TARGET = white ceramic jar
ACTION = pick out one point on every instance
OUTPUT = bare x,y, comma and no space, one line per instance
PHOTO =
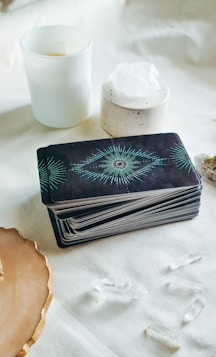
129,110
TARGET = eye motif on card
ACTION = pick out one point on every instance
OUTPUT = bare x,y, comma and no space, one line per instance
117,165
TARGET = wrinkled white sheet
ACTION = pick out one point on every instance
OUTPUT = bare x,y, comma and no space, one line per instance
179,38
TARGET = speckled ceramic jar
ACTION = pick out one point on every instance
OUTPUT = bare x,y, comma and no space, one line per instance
121,117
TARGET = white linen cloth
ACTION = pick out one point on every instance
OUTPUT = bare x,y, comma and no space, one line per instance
179,38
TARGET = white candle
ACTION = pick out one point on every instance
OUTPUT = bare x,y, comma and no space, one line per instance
57,61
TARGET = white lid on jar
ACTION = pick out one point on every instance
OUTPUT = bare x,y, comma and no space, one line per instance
135,85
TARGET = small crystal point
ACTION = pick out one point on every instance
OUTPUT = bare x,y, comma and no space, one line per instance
186,260
119,287
194,310
163,335
188,287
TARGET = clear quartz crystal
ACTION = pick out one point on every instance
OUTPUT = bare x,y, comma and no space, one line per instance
163,335
185,260
119,287
186,287
135,79
194,310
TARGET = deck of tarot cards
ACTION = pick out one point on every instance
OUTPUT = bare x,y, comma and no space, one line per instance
99,188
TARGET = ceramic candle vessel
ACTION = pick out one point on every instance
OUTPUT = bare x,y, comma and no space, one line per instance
131,105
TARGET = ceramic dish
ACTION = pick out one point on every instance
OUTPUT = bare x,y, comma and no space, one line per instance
25,293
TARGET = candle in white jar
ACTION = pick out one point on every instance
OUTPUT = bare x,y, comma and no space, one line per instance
134,100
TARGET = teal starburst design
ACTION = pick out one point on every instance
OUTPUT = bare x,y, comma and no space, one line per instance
117,165
179,155
52,173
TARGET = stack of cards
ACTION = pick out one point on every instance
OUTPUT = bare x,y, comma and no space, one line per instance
100,188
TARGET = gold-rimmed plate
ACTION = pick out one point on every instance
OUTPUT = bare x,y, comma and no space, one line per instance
25,292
